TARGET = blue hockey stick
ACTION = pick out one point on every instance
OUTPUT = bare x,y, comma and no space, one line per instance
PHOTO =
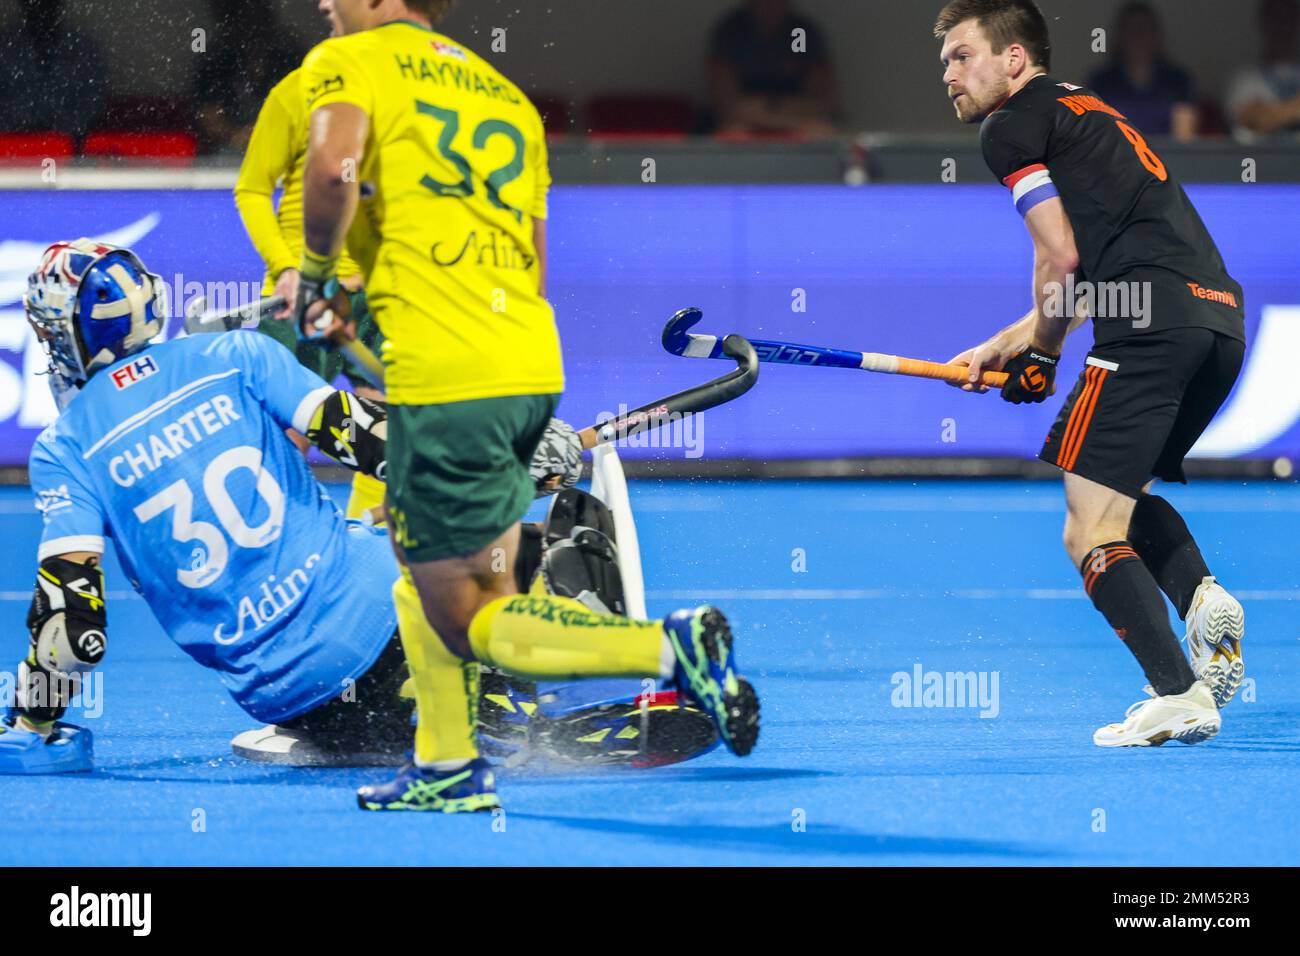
679,341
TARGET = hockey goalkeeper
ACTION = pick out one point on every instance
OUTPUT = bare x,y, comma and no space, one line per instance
178,452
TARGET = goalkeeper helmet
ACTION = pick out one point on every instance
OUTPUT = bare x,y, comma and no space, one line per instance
92,304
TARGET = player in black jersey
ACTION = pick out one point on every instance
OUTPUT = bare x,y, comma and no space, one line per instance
1115,235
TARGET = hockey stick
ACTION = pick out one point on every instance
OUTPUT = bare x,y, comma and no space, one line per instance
678,341
199,319
709,395
362,359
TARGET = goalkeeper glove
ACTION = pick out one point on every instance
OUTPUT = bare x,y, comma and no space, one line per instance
557,462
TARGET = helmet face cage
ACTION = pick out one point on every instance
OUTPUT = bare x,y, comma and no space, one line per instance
92,304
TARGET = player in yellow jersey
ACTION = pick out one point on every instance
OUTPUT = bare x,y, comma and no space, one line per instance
275,155
434,165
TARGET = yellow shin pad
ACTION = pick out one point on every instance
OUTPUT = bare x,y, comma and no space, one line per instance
446,688
543,636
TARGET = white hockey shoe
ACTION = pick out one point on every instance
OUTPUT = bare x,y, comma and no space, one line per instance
1215,626
1189,718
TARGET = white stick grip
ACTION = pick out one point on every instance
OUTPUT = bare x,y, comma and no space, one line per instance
879,362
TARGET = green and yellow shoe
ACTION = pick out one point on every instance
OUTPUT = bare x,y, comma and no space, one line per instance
472,787
706,671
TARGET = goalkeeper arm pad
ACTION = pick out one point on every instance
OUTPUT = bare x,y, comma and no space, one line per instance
353,431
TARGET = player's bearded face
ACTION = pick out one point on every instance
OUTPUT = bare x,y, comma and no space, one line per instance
974,76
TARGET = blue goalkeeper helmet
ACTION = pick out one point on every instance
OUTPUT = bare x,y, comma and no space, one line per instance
92,304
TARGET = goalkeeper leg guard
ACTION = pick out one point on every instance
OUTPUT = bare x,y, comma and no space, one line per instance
544,636
68,749
655,727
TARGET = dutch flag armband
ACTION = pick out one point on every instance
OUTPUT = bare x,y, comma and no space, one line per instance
1029,187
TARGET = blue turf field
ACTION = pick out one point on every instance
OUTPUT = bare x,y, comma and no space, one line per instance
951,576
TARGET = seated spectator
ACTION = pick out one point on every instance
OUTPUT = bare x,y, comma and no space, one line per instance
1265,99
247,53
1139,82
39,90
760,83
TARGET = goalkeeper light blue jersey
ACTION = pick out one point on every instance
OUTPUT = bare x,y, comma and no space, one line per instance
178,453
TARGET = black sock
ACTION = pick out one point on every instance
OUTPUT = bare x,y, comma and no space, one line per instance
1159,534
1124,591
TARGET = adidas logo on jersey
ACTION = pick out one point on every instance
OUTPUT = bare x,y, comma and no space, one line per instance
274,598
132,372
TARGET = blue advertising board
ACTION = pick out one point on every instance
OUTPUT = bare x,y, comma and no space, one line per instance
924,271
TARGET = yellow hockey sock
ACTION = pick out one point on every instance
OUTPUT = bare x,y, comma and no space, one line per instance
446,688
366,493
543,636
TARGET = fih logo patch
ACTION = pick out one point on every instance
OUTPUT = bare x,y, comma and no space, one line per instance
132,372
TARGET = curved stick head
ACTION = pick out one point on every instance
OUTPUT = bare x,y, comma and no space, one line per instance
675,337
740,349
